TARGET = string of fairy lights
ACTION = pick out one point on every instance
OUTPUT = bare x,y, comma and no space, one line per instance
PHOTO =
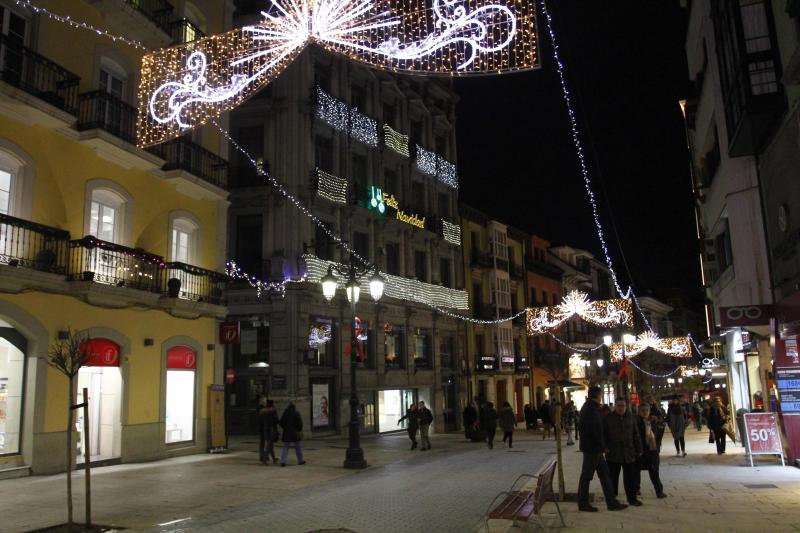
365,131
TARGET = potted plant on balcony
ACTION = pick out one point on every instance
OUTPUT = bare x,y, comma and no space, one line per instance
173,287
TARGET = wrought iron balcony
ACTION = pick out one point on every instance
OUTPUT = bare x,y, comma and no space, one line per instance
92,259
102,110
30,245
189,282
183,154
158,11
183,32
36,75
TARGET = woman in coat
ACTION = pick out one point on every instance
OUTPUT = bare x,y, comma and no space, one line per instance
292,425
649,460
268,430
676,419
717,416
547,419
508,421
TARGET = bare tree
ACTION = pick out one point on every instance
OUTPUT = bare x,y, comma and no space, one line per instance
557,367
68,355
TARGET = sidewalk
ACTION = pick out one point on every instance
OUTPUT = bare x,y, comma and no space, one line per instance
706,492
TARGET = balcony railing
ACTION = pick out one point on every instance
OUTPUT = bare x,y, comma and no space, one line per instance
193,283
37,75
102,110
31,245
183,32
107,263
185,155
158,11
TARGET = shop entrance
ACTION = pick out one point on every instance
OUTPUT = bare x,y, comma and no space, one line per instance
392,405
102,378
12,371
501,393
179,416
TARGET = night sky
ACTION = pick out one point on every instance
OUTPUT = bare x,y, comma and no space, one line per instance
626,68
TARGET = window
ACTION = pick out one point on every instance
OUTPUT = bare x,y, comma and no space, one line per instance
323,244
365,341
444,272
253,345
555,299
421,265
393,258
359,175
418,195
389,115
417,131
441,146
5,192
249,230
724,250
544,297
323,154
358,97
112,82
480,344
505,343
361,243
12,371
13,25
106,215
390,182
322,77
251,139
444,205
477,296
422,348
181,364
502,296
532,302
500,245
447,353
183,240
322,342
394,346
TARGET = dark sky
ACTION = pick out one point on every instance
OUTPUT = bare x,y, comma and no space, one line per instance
626,68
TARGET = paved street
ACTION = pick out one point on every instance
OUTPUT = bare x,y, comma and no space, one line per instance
444,490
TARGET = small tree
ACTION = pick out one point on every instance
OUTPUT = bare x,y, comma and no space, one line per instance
68,355
557,367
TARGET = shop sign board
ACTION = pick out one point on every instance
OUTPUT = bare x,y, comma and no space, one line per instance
745,315
181,358
278,382
229,332
102,352
763,437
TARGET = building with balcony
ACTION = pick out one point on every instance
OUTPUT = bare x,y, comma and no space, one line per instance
372,156
494,266
98,236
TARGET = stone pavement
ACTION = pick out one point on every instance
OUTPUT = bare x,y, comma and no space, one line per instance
706,492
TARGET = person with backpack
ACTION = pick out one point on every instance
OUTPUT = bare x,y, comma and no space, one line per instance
425,421
292,424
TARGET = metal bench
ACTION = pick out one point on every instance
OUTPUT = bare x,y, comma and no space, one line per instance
526,505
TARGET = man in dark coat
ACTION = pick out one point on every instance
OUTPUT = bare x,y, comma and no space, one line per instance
470,417
412,415
593,446
425,421
267,430
292,425
489,422
624,449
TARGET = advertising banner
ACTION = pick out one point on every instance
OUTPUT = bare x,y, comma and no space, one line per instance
319,405
763,436
745,315
216,415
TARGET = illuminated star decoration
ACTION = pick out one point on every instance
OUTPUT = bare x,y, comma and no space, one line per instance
672,346
600,313
185,86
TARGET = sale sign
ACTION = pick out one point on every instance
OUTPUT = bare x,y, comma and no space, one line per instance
763,436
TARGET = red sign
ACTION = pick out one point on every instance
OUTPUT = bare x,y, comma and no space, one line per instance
229,332
230,376
181,358
762,434
745,315
102,352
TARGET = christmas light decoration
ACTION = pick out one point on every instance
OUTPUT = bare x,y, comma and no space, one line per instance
363,128
332,111
426,161
66,19
331,187
277,288
672,346
451,232
651,374
396,287
395,141
600,313
574,348
184,86
433,165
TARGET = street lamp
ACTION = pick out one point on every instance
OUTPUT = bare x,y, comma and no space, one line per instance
354,456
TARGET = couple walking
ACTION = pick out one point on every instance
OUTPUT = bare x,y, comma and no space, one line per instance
418,418
508,421
292,424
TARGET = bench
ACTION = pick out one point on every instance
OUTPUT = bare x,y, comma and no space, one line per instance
525,505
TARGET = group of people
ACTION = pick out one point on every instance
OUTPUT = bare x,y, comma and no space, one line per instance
483,417
418,419
292,425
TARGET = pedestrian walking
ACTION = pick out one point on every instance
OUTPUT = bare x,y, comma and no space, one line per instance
650,458
697,412
412,424
469,417
593,446
717,418
658,417
530,417
508,421
425,421
547,419
489,422
624,449
569,416
292,424
267,430
676,419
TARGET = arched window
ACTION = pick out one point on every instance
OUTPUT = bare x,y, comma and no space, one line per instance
16,175
107,211
184,238
113,78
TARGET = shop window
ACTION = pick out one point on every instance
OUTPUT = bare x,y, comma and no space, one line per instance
101,376
180,402
422,349
367,412
394,346
183,235
322,343
12,370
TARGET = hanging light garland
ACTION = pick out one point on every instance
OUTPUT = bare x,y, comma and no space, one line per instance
395,141
451,232
672,346
574,348
271,287
599,313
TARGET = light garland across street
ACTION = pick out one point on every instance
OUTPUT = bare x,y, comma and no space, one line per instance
600,313
672,346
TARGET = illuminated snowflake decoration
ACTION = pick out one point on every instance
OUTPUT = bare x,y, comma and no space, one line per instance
185,86
600,313
672,346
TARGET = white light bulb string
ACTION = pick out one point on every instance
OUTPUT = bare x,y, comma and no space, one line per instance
66,19
574,348
668,374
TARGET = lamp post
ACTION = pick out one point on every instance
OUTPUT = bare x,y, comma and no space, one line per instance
354,457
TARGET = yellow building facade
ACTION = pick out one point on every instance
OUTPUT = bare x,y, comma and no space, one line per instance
98,236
